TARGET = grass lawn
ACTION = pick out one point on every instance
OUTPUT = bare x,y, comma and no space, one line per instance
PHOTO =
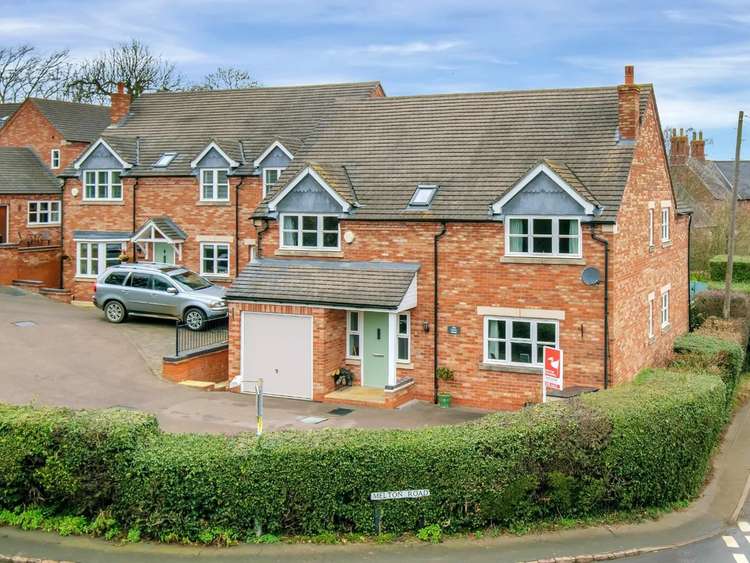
737,286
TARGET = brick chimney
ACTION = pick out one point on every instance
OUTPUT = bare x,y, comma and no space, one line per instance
679,148
698,147
120,104
628,95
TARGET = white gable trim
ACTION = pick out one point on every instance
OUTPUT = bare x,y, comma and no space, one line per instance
498,206
150,224
100,141
308,171
204,152
269,150
409,301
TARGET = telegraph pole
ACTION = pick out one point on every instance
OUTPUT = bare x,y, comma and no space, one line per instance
733,220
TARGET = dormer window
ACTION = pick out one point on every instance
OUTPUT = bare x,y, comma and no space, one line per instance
270,177
423,196
165,160
104,185
214,184
314,232
543,236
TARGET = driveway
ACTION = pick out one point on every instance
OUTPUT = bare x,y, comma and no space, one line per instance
70,356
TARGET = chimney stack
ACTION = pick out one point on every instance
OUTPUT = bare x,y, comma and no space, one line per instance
119,104
679,148
698,147
628,95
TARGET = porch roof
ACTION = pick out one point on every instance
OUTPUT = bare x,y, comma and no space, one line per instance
166,225
358,285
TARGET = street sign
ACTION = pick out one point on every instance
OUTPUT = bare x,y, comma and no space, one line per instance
391,495
552,375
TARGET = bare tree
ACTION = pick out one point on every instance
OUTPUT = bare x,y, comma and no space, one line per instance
226,78
24,73
132,63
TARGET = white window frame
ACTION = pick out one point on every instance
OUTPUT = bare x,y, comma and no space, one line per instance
278,171
37,212
101,256
555,236
215,259
54,159
651,299
651,226
350,333
214,185
533,340
664,308
404,335
319,230
109,186
665,227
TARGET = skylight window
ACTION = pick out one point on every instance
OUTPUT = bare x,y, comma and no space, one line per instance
165,159
423,196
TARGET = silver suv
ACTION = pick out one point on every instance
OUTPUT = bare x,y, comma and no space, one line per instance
159,290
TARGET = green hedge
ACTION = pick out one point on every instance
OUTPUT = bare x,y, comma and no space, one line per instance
717,267
642,444
711,304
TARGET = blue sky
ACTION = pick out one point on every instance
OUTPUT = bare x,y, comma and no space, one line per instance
697,54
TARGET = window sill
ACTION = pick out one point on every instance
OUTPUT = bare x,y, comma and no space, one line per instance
542,260
404,365
43,225
666,328
353,361
666,243
314,253
512,369
651,340
223,203
102,202
84,278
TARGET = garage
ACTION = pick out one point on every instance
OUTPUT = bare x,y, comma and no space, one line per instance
277,348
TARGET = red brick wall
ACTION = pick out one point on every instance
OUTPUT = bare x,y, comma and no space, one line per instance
637,271
18,228
211,366
36,264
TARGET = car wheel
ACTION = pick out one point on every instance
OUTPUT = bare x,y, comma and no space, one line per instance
195,319
115,312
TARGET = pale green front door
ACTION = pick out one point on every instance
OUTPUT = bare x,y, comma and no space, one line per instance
375,357
163,253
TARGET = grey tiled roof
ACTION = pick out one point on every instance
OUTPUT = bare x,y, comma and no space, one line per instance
6,110
21,172
167,226
474,146
76,122
243,122
375,285
727,169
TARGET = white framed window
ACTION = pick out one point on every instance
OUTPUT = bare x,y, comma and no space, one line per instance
543,236
54,158
103,185
404,338
44,213
165,159
214,184
665,224
96,256
214,259
353,334
270,177
664,308
319,232
518,342
651,227
651,299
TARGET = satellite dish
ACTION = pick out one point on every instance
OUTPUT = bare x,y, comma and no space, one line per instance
591,276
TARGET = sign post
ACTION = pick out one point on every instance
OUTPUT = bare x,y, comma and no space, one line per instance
552,374
378,497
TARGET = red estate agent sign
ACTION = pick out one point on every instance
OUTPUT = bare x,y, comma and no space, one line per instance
553,370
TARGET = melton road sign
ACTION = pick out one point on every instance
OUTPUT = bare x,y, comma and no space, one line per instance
390,495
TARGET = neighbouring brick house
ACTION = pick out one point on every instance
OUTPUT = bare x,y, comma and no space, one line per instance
411,233
179,174
38,138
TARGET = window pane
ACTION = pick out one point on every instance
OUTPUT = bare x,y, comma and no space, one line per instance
208,176
354,344
208,191
271,176
83,253
542,226
113,253
309,239
290,238
403,324
222,192
102,191
116,191
542,245
222,175
403,348
519,244
116,278
160,284
568,246
222,251
497,329
140,281
354,322
208,251
331,240
330,223
545,332
568,227
520,352
496,350
102,177
90,191
521,329
208,266
309,222
519,226
291,222
94,250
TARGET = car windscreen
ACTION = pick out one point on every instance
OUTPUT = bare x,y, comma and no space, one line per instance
192,280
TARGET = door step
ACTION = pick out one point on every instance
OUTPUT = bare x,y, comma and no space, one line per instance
205,385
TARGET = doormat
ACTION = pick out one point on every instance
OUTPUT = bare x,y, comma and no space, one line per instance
340,411
312,419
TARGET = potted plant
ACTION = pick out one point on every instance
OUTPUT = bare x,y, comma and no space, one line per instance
444,398
342,377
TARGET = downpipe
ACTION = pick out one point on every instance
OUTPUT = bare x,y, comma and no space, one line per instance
435,330
605,243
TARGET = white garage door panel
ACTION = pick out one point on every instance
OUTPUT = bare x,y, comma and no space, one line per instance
278,348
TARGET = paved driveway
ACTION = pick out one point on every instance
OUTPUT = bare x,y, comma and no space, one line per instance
72,357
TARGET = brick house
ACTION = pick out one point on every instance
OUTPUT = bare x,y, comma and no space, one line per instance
411,233
178,175
38,138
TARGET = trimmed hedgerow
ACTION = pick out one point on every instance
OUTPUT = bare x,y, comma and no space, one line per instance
717,267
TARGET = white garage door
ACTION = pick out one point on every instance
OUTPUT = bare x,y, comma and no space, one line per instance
277,348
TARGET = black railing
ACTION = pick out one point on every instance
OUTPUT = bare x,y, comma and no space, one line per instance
213,333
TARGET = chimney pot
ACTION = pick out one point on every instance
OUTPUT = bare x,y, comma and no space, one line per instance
698,147
629,74
120,87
